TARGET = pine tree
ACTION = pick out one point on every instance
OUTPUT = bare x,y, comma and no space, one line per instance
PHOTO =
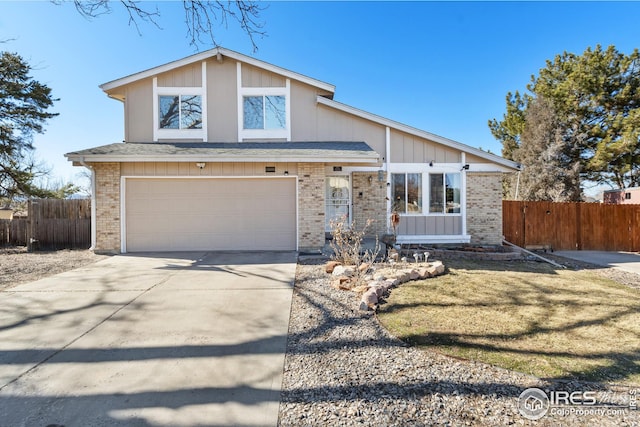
24,105
595,100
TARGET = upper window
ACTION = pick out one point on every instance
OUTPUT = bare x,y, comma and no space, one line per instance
444,193
180,111
264,112
406,192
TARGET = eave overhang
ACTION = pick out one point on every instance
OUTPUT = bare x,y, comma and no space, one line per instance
276,152
218,52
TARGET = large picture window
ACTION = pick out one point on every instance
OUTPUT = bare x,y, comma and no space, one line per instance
264,112
444,193
180,111
406,192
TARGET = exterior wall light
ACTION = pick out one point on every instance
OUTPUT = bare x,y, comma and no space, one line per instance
201,165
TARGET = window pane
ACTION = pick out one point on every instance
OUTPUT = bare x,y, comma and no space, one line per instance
436,193
398,192
414,192
253,114
169,112
274,116
191,112
453,192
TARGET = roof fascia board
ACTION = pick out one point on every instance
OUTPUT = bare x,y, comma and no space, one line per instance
222,159
417,132
212,53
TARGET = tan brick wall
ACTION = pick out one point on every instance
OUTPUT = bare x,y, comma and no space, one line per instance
311,206
107,207
372,204
484,208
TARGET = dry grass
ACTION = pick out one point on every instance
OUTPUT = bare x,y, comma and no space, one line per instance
524,316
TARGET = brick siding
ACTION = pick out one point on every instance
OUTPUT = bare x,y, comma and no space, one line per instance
107,194
484,208
372,204
311,206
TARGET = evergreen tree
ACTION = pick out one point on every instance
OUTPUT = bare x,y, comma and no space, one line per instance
24,105
595,100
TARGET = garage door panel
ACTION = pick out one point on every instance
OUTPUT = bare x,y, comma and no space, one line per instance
210,214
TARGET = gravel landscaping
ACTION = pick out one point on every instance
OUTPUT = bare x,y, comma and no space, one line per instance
342,368
19,266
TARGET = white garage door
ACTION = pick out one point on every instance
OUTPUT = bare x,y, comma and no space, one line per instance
210,214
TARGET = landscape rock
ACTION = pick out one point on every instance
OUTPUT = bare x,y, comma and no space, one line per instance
364,267
370,297
330,266
404,277
424,273
341,270
436,269
341,282
379,288
389,283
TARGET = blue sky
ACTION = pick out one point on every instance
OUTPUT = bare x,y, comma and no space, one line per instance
444,67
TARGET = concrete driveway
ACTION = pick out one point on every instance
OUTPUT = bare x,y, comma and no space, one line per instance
148,340
626,261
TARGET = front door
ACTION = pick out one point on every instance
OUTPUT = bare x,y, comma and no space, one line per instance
337,199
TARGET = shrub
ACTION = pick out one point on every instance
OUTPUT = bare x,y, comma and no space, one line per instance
347,240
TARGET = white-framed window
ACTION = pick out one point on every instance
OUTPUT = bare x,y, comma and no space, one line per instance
179,112
406,193
444,193
264,112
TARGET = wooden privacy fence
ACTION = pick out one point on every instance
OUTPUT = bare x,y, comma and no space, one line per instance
51,224
13,232
572,226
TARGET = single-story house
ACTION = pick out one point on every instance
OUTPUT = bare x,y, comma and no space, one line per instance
226,152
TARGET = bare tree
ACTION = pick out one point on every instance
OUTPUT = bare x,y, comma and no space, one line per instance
200,16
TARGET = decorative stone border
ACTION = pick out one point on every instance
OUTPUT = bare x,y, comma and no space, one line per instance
374,282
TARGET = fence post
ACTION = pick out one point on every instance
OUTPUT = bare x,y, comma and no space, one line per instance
524,225
578,226
31,225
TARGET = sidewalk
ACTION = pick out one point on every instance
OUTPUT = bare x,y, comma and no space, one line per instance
626,261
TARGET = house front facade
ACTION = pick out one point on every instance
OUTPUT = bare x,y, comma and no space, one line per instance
226,152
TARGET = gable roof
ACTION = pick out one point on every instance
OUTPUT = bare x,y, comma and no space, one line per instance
418,132
326,100
217,52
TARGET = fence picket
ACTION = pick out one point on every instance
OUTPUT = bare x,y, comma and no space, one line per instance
571,226
52,223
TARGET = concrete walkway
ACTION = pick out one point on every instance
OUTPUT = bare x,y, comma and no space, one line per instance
149,340
626,261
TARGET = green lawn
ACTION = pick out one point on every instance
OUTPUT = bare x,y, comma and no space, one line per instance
524,316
